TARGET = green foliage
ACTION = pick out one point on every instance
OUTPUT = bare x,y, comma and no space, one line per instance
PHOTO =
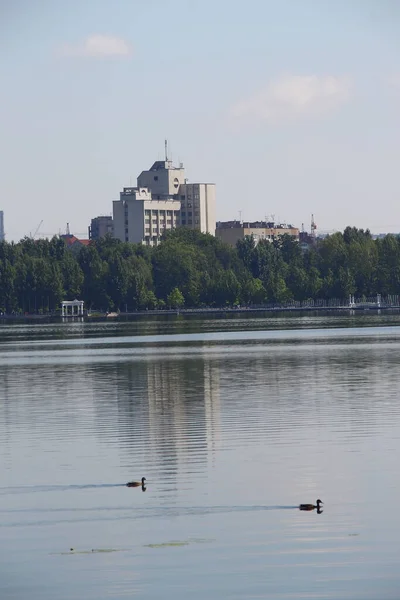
192,269
175,298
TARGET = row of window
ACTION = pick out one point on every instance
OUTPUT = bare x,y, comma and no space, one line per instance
156,232
190,213
190,222
147,212
161,220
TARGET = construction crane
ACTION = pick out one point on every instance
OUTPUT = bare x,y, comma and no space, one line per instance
37,230
313,226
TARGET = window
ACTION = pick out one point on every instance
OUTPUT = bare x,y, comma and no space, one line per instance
126,231
155,177
190,222
183,221
126,222
183,213
189,213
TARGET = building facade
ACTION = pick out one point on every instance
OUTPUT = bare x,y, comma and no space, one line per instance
2,236
163,200
163,179
140,219
100,227
198,206
232,231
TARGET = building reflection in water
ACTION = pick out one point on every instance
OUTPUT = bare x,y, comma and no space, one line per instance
172,409
168,413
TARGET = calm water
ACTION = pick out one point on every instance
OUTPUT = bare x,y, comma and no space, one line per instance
234,422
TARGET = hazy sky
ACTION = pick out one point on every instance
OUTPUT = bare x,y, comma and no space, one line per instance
291,107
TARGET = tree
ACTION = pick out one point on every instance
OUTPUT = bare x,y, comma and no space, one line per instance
72,276
95,272
177,265
175,298
245,249
225,288
252,291
151,300
118,280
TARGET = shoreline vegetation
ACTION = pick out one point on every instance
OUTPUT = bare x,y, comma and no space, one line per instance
194,273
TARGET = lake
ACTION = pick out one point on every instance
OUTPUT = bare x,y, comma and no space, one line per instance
234,421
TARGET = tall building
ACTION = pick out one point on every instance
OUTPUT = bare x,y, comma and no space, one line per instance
140,219
2,237
198,206
162,200
100,227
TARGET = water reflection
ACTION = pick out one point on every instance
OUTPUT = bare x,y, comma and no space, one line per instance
168,409
231,435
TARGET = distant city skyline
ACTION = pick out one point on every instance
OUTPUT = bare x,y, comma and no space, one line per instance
291,108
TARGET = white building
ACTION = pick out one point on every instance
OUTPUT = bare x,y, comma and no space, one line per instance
198,206
163,200
163,179
139,219
2,237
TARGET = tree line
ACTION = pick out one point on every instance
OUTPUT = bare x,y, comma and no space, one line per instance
192,269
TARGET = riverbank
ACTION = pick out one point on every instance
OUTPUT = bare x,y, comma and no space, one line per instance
198,311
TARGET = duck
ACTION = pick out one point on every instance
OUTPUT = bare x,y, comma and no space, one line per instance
311,506
136,483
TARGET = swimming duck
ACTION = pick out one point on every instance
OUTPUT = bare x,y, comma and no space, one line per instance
311,506
136,483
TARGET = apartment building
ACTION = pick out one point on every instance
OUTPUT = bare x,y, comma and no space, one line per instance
162,200
100,227
232,231
140,219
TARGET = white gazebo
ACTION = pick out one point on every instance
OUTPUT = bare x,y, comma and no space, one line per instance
68,308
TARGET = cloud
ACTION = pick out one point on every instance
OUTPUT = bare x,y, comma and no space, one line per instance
294,96
99,46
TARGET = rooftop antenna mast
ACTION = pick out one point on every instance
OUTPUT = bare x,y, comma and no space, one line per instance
166,150
68,230
240,216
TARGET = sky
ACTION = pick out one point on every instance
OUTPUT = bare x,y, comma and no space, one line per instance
291,107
